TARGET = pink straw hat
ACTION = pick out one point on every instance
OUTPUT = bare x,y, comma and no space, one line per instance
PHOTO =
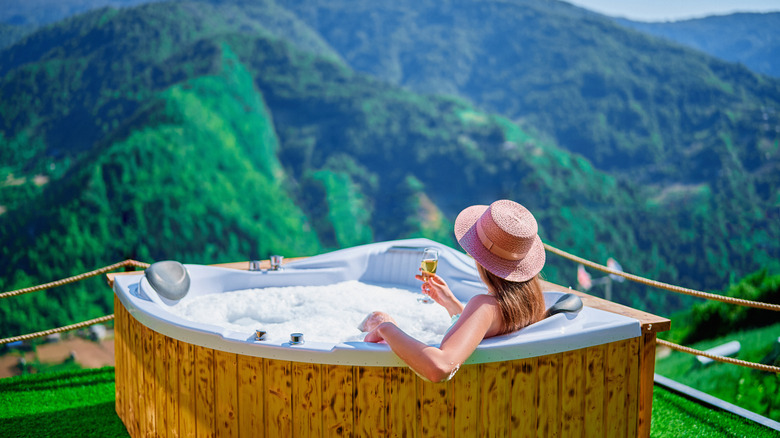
503,238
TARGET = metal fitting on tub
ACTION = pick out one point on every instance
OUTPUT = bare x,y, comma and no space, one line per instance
296,338
276,262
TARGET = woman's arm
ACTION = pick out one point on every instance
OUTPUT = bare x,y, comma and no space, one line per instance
435,287
481,318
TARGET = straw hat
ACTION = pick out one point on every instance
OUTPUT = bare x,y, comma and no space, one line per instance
503,238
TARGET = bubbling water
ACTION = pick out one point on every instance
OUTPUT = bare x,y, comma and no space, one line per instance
327,313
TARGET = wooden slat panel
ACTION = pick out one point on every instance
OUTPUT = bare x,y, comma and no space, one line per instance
278,398
549,402
572,393
646,370
434,408
204,392
135,374
124,366
172,386
467,400
594,390
369,401
307,400
119,361
226,394
495,408
523,393
251,407
187,397
160,384
632,387
401,396
616,388
147,370
337,390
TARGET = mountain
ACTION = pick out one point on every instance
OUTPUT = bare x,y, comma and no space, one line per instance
9,34
233,145
751,39
20,18
699,134
627,102
209,132
42,12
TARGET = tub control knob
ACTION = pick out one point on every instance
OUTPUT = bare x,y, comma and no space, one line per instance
260,335
296,338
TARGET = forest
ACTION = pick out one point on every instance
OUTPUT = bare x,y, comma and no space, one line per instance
211,132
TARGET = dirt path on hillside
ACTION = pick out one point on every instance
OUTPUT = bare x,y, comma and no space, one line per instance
89,354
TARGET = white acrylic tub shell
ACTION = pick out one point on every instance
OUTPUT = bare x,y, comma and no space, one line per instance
387,263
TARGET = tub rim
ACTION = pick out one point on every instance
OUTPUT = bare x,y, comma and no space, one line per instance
529,342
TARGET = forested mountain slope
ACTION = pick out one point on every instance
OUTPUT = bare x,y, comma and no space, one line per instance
626,101
219,131
752,39
238,145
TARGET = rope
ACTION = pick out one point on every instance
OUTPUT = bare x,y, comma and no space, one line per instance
57,330
660,285
75,278
757,366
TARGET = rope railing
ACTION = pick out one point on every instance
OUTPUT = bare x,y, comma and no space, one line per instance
661,285
756,366
57,330
552,249
58,283
75,278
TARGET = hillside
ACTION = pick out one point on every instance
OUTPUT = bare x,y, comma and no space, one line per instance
701,135
176,156
42,12
750,39
629,103
222,131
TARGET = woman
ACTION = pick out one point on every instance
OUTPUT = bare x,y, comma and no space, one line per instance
502,238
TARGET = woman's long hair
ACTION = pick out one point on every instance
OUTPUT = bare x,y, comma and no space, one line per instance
521,303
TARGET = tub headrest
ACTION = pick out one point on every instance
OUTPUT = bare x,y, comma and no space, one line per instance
568,303
169,279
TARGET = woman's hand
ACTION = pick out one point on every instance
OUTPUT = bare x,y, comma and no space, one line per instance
373,319
435,287
375,335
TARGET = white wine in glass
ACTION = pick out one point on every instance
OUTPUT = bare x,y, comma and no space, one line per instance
428,265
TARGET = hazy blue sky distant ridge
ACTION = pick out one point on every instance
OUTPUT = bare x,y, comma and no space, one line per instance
674,10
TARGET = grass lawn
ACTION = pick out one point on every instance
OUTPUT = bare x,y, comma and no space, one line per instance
81,404
753,390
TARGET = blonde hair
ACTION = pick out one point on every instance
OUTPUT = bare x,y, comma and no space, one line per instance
521,303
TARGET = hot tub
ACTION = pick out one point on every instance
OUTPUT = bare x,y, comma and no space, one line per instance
177,377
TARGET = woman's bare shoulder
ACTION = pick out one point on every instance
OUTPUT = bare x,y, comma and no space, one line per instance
485,307
481,301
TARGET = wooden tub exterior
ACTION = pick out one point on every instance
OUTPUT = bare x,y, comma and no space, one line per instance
166,387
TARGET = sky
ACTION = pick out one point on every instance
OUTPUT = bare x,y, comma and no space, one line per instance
674,10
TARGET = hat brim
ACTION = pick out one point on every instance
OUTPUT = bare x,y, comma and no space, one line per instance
512,270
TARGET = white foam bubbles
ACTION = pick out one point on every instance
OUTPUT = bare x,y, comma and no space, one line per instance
328,313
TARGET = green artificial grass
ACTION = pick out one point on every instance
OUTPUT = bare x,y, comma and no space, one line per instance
753,390
60,404
675,416
81,404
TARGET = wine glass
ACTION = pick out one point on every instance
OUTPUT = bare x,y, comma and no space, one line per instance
430,260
